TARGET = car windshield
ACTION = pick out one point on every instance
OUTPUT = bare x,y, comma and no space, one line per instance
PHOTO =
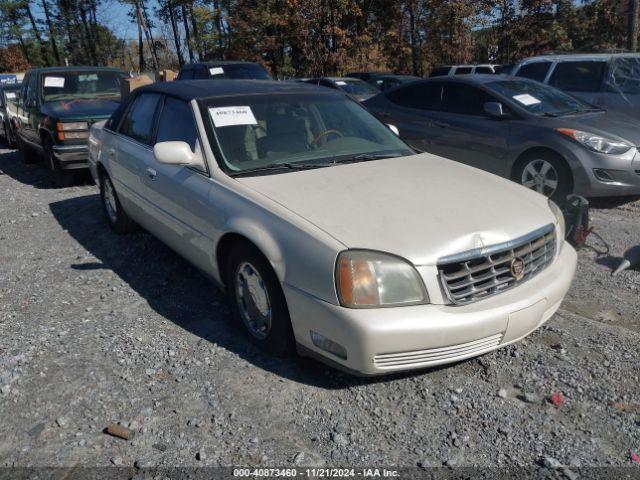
246,71
357,87
65,85
296,131
625,76
539,99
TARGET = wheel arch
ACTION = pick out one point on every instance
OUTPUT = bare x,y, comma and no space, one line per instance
542,151
256,237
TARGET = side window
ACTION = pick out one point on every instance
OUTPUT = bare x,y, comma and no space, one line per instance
464,100
138,123
484,70
29,92
462,70
439,71
421,96
578,76
176,123
534,71
200,74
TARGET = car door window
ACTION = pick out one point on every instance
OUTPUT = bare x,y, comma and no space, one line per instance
139,121
176,123
462,71
578,76
535,71
29,95
423,96
484,70
464,100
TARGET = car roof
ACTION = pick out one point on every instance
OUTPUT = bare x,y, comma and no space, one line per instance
476,79
579,56
216,63
195,89
82,68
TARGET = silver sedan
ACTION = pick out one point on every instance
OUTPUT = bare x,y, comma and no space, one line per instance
330,235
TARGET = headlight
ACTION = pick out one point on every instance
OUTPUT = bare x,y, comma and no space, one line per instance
366,279
561,225
595,142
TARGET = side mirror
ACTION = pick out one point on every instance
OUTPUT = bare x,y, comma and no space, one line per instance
394,129
174,153
495,110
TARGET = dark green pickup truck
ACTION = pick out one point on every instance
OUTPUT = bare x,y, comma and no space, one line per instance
56,108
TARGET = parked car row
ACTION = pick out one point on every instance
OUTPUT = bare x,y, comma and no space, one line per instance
337,227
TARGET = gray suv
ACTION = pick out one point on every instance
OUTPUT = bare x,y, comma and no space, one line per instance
610,81
531,133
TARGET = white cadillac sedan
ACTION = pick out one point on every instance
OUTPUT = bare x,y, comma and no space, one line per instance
330,235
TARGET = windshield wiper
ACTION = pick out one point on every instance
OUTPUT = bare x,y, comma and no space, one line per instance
365,157
280,166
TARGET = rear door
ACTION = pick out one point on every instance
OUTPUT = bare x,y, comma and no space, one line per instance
413,109
584,78
467,133
179,194
133,153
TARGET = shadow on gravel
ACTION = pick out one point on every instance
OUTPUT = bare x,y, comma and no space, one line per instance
35,174
180,293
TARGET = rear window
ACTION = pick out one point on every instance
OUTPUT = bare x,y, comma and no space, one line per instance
625,76
535,71
578,76
241,71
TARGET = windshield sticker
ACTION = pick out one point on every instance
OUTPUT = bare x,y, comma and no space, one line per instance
228,116
92,77
340,82
55,82
216,71
526,99
11,94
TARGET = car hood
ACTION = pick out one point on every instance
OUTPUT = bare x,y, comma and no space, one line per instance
608,124
80,109
420,207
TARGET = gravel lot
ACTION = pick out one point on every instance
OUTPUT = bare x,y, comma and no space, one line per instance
99,329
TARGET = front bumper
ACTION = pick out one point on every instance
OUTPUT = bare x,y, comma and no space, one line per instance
623,175
71,157
386,340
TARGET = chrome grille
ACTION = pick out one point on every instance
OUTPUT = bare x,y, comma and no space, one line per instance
434,356
471,276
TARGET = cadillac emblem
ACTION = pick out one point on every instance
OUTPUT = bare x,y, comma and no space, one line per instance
517,268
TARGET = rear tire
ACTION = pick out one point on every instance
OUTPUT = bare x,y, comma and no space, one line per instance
61,178
116,217
546,174
257,301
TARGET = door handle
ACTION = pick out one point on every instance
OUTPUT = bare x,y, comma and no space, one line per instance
151,173
111,152
440,124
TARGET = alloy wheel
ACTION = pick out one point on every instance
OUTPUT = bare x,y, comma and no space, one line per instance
109,199
541,176
253,300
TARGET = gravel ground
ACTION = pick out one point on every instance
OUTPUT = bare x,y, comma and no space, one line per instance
100,329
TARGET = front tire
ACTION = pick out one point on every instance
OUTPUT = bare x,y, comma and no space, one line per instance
546,174
117,218
27,153
61,178
257,301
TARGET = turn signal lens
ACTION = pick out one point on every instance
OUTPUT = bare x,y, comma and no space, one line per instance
367,279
